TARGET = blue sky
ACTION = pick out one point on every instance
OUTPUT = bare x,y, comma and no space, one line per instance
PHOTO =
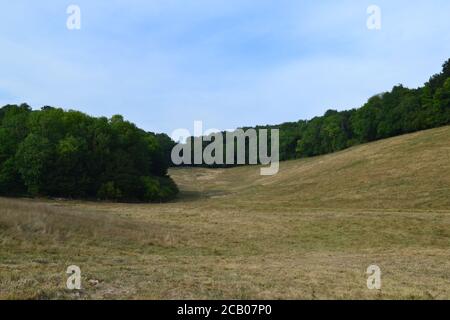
163,64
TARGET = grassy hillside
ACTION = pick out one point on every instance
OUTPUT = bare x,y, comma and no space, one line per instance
406,172
309,232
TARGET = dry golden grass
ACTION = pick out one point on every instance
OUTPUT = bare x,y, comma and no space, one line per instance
406,172
309,232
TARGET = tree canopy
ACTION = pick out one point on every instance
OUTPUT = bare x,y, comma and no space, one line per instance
385,115
52,152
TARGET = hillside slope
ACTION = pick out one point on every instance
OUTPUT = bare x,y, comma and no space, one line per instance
406,172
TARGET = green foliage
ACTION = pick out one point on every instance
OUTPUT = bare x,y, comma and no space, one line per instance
32,157
399,111
11,182
386,115
158,188
108,191
52,152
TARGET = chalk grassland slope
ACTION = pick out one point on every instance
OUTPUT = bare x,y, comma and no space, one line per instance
406,172
309,232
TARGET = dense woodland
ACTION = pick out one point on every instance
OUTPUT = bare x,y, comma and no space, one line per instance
389,114
57,153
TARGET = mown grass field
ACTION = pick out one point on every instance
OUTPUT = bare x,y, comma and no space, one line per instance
309,232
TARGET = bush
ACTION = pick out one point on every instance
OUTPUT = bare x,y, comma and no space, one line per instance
158,188
108,191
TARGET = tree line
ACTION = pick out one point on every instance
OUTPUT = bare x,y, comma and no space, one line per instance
385,115
68,154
